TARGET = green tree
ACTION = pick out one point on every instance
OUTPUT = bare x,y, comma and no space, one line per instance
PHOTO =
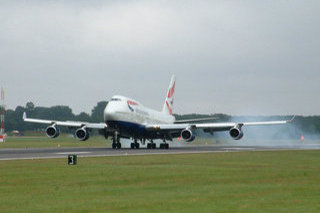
29,107
18,112
11,123
83,117
97,111
61,113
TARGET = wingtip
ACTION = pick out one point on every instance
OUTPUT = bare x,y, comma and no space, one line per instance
24,115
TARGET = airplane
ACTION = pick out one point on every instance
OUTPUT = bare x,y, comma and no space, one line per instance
127,118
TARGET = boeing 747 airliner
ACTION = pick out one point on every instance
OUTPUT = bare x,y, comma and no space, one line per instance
127,118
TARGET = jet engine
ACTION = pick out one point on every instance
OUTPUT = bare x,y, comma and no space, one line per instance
187,135
236,133
82,134
52,131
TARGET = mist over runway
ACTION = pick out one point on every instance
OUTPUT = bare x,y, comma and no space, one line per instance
43,153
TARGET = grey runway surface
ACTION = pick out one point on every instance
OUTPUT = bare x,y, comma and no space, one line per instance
39,153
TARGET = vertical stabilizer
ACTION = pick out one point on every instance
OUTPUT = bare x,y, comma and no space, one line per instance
168,104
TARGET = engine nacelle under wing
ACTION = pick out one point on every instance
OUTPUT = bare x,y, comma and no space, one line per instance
187,135
82,134
52,131
236,132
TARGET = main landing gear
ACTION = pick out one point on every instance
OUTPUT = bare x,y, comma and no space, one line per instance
164,145
135,145
151,145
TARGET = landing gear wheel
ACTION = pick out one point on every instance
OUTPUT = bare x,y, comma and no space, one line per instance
114,145
132,145
118,145
137,146
151,146
164,146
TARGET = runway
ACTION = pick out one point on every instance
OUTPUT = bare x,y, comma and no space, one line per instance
42,153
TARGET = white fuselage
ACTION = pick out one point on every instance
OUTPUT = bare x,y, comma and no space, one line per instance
121,109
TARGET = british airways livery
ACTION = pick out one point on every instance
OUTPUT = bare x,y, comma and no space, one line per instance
127,118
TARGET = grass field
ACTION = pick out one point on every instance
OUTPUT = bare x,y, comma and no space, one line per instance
280,181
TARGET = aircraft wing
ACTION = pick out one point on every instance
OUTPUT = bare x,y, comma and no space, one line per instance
65,123
212,126
194,120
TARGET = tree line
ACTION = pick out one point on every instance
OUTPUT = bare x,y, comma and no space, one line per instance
13,118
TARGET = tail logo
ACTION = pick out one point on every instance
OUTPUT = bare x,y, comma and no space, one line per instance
169,108
171,90
168,104
130,104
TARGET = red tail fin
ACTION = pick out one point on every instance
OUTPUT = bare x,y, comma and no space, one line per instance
168,105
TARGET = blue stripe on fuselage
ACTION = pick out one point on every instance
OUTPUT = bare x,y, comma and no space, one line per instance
128,127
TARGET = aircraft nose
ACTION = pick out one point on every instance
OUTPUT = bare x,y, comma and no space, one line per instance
115,110
108,114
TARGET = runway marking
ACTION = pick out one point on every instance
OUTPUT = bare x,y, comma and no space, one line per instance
152,153
110,155
32,158
72,153
239,148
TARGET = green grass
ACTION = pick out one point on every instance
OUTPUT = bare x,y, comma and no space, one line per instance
61,141
281,181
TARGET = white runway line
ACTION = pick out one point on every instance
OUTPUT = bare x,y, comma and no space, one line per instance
238,148
72,153
32,158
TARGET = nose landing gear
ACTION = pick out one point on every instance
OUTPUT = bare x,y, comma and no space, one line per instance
116,141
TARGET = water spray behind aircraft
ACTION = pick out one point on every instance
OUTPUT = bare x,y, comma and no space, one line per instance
284,136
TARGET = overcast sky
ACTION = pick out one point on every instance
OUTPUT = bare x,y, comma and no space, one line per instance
235,57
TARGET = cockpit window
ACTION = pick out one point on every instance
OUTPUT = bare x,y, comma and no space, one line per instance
115,99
